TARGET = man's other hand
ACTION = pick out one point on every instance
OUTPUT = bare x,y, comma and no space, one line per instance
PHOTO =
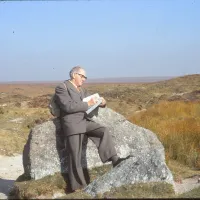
103,104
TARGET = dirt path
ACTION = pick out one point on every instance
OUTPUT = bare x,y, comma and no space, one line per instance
11,168
187,184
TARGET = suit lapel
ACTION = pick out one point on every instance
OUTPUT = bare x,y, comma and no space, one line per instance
72,87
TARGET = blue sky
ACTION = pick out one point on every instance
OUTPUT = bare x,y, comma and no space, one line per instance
43,40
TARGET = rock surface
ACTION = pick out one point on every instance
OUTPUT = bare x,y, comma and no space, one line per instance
136,169
44,153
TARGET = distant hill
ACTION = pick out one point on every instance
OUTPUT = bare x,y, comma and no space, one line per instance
147,79
102,80
163,80
180,84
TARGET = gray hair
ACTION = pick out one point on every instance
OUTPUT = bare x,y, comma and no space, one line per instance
74,70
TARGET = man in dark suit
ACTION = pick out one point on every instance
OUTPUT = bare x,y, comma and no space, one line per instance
76,124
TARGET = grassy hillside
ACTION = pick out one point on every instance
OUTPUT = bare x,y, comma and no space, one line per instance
177,124
177,85
171,109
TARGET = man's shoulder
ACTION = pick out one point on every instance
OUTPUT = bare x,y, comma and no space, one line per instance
67,83
64,84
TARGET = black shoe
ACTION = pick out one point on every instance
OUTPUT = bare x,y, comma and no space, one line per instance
120,160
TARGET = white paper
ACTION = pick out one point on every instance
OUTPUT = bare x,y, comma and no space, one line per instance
96,98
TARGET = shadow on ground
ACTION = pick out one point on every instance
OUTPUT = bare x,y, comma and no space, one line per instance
6,185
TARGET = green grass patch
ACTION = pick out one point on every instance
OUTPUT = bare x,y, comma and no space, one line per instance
31,189
28,189
141,190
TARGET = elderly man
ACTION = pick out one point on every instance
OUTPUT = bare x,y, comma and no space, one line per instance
76,124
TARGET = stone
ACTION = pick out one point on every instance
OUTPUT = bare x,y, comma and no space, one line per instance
44,154
139,168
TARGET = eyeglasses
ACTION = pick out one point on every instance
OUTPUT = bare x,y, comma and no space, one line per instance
82,76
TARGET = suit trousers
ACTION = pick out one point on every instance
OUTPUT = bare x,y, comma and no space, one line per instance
103,141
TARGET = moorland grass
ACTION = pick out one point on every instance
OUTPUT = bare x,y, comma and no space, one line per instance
177,125
14,134
57,183
47,186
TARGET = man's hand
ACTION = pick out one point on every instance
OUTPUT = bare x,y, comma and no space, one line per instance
103,104
91,102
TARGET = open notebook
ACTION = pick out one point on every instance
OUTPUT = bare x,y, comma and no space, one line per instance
97,98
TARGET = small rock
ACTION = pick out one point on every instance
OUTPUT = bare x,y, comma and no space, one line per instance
17,120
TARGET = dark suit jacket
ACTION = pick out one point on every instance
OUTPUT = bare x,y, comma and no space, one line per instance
73,117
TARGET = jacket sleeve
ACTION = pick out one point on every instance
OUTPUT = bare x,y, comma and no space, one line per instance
66,103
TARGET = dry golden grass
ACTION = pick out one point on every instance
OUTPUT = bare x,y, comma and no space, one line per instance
15,124
28,89
177,125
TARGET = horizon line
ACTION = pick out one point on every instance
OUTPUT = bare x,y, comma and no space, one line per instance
95,80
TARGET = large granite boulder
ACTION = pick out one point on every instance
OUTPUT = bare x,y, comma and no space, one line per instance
44,154
143,167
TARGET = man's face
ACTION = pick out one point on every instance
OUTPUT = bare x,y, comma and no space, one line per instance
80,77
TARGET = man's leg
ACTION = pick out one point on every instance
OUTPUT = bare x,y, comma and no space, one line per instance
75,170
103,140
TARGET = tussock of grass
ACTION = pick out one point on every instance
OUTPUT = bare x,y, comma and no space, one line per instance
177,125
47,186
30,189
141,190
